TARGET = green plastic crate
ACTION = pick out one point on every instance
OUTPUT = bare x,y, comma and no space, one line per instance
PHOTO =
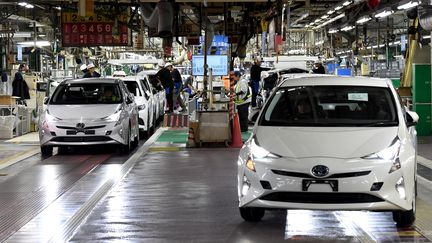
424,125
421,83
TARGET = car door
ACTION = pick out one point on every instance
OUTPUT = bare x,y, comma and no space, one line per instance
150,99
130,107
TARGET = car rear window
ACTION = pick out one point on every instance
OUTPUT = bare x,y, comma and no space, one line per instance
87,93
330,106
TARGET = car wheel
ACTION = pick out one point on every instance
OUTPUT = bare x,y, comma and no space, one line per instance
252,214
62,149
128,146
406,218
46,150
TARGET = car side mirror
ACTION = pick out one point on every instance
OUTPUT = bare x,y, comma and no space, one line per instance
129,100
41,86
45,100
411,118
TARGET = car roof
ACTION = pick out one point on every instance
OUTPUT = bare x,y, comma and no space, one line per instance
92,80
320,79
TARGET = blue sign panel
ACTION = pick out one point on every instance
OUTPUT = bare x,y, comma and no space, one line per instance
218,63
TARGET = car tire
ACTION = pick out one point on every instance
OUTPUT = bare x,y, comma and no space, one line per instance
62,149
126,148
46,150
405,218
252,214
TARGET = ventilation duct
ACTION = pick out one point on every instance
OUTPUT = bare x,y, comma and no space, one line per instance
160,17
425,16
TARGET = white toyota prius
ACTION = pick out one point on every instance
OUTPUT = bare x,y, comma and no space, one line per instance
331,143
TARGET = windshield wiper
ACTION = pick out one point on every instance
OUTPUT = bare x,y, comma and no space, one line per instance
380,124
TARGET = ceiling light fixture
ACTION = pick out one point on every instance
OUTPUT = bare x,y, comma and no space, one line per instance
29,6
426,37
346,3
325,16
331,20
32,43
339,7
332,31
22,4
347,28
407,5
384,13
363,19
330,12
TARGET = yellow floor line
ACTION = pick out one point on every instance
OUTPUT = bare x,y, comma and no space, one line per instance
160,149
18,157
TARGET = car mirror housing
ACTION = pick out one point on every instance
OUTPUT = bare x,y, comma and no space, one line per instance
45,100
411,118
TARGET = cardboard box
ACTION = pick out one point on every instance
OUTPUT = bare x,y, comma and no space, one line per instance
7,100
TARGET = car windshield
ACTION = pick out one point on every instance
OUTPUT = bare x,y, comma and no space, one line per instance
330,106
87,93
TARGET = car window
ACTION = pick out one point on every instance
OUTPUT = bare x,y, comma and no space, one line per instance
147,89
133,87
330,106
87,93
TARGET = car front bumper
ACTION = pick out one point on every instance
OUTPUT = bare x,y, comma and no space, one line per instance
65,133
280,183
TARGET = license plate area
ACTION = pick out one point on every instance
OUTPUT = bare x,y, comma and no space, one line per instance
306,183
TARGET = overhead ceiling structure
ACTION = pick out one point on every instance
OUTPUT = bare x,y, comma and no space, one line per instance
231,17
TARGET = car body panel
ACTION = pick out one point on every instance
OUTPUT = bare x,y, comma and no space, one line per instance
293,152
89,124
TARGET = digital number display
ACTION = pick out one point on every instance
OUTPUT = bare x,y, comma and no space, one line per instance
93,30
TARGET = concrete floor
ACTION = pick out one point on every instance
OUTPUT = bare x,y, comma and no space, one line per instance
164,192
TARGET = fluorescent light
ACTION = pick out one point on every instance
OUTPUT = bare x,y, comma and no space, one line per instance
330,12
58,8
384,13
29,6
331,20
408,5
346,3
22,4
339,7
317,20
426,37
325,16
363,20
331,31
347,28
32,43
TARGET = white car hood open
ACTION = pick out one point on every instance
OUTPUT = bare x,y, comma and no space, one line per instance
336,142
82,112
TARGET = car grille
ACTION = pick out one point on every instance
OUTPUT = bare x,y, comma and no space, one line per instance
321,197
82,139
89,127
305,175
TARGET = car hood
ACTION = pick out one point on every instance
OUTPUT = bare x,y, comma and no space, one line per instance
83,112
336,142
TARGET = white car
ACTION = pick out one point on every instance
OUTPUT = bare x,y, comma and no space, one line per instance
145,102
91,111
331,143
159,93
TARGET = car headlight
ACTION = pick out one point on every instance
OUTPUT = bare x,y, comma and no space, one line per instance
113,117
390,153
259,152
141,107
48,118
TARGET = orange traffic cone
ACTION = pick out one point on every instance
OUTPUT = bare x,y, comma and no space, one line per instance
191,139
237,141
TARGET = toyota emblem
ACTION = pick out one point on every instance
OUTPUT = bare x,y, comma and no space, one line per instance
80,125
320,171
